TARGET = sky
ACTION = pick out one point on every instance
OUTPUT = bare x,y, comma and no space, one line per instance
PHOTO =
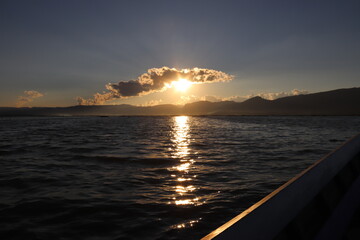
53,52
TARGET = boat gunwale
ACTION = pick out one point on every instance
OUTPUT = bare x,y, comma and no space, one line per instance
243,224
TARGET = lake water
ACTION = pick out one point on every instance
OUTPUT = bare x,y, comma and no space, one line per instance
149,177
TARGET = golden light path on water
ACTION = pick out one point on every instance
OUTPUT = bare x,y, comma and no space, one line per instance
184,191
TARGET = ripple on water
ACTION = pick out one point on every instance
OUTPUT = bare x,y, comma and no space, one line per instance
149,177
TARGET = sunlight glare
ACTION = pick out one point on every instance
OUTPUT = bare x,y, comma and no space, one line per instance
182,85
194,201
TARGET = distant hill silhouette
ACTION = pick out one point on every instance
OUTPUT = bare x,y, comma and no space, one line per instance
336,102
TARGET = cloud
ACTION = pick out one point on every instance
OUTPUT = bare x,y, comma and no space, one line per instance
268,96
188,99
151,103
28,97
211,99
236,98
273,96
192,98
155,80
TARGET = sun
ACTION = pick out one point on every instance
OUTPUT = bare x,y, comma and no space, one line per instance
182,85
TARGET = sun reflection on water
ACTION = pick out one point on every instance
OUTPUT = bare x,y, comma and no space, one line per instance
186,224
183,167
184,191
181,136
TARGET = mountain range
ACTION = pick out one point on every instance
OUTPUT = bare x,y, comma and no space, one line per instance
335,102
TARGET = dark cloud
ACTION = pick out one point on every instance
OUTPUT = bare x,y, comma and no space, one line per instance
155,80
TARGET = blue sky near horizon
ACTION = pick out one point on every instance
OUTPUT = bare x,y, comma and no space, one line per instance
66,49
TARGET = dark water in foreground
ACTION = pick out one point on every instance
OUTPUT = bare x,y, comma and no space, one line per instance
149,177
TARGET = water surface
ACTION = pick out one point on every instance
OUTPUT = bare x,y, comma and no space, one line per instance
149,177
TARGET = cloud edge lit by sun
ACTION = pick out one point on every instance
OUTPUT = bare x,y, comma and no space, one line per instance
157,80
